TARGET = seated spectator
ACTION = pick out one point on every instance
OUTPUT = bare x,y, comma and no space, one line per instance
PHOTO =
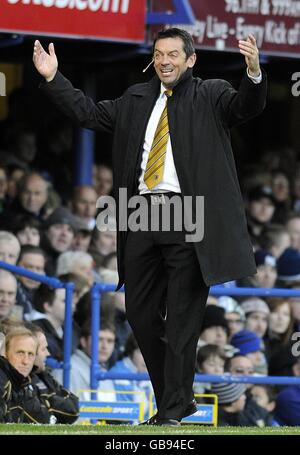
76,262
281,326
27,230
84,204
20,402
82,236
231,403
234,314
8,292
250,345
260,210
214,329
32,197
253,412
103,243
288,267
58,236
275,239
50,306
287,411
9,248
81,363
257,315
210,360
31,258
81,286
62,403
102,179
264,395
266,270
281,190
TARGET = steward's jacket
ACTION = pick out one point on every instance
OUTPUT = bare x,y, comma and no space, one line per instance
19,397
60,402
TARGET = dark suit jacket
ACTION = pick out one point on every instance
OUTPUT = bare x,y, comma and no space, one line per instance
200,116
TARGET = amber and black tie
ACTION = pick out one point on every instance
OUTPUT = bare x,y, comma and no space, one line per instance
156,159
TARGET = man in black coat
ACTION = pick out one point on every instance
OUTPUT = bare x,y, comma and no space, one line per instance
19,397
167,277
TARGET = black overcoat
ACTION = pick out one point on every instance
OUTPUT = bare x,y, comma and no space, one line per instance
201,113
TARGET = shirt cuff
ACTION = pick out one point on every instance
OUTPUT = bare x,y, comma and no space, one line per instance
255,79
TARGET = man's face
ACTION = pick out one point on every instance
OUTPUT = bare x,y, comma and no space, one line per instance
85,203
42,352
34,195
8,291
60,236
241,366
21,354
170,60
56,311
35,263
106,345
106,242
9,252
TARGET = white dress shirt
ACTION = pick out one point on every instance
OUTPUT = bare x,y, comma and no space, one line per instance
169,181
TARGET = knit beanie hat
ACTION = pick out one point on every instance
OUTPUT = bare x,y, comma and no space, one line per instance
228,393
214,317
246,342
288,265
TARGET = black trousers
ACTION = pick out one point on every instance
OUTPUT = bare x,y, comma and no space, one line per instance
165,302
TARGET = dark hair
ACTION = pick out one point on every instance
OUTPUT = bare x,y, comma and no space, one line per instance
86,331
23,221
188,42
43,294
209,350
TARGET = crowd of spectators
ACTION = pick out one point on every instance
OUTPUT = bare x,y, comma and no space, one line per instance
54,232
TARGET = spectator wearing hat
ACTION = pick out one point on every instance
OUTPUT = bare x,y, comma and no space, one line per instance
266,269
257,315
59,227
287,411
241,365
288,267
250,345
231,403
260,210
215,326
234,314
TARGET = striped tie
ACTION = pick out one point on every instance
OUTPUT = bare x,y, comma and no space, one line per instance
156,159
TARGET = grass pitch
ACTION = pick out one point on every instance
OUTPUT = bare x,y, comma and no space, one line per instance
132,430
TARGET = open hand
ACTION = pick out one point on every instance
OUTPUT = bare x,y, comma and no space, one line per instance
45,63
249,49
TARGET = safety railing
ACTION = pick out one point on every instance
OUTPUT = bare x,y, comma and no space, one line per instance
56,284
98,375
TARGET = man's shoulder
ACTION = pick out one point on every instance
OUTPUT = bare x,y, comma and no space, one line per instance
138,89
